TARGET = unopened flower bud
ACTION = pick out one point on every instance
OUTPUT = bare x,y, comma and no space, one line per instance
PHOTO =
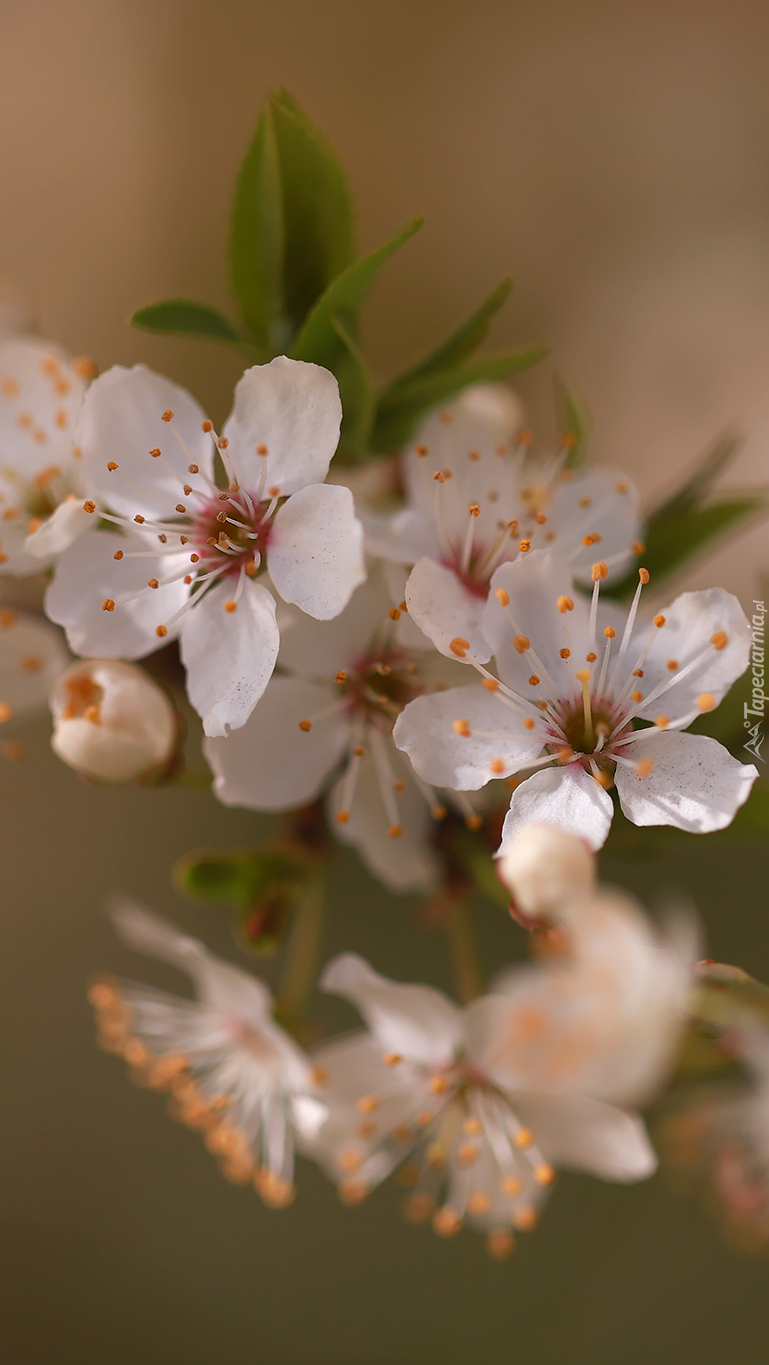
111,722
545,869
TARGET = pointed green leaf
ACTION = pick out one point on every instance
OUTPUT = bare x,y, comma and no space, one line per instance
358,400
671,541
319,339
186,318
401,407
461,344
317,209
573,423
700,479
257,239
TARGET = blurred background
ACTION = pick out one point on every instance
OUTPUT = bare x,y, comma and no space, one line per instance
614,159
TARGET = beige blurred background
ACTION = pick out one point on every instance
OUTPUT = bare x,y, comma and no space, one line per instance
614,158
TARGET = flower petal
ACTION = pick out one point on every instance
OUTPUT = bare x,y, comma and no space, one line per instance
32,656
229,655
319,649
404,863
315,551
587,1135
425,731
564,796
535,583
690,623
695,783
269,763
40,394
56,533
444,609
613,515
87,576
292,408
416,1022
120,422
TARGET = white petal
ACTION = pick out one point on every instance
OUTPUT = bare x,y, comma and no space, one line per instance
292,408
534,583
612,515
479,419
544,867
444,609
425,731
315,551
413,1021
587,1135
32,656
690,623
401,538
87,575
219,984
694,785
564,796
57,532
229,655
319,649
270,764
406,863
40,394
121,421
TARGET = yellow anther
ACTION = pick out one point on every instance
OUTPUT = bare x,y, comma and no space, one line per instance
161,632
660,621
502,597
89,506
592,539
528,723
671,665
474,509
497,767
394,614
168,415
644,766
112,466
206,426
583,675
636,697
544,1173
565,604
367,1104
621,488
342,817
349,1159
565,653
108,604
720,640
591,657
423,450
230,606
662,722
395,831
524,1138
610,633
446,1222
118,554
599,571
473,822
586,502
152,583
341,676
524,546
510,1184
461,727
490,684
644,575
467,1153
534,680
521,643
525,1219
706,701
638,547
6,712
392,1058
459,647
500,1244
305,725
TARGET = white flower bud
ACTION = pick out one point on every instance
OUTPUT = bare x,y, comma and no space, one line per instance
111,722
546,869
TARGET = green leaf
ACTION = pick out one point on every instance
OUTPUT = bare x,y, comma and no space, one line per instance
461,343
319,339
233,877
257,239
672,540
358,400
400,407
700,479
292,226
318,216
573,423
186,318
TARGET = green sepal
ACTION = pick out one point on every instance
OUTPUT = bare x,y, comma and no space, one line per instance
573,423
187,318
461,344
319,340
233,877
401,407
358,400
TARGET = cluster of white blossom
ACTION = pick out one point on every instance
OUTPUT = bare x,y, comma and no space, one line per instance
326,648
474,1107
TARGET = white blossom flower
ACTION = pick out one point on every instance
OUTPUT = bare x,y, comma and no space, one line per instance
326,720
111,722
32,657
478,1105
41,390
575,677
192,557
232,1072
476,500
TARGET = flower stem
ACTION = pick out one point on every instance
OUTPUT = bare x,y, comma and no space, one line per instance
468,977
301,963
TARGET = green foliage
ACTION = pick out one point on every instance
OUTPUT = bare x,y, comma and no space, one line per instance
401,405
185,318
684,524
292,228
261,887
300,291
573,423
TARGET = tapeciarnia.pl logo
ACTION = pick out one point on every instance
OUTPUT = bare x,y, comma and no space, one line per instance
756,707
